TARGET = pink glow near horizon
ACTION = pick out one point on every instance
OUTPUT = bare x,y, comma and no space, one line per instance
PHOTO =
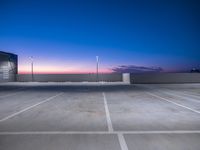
24,72
59,70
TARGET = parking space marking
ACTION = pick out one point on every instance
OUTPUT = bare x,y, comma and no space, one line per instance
180,94
122,141
30,107
174,94
109,122
99,132
177,95
180,105
17,91
189,95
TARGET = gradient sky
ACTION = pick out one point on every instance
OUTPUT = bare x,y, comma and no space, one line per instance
65,36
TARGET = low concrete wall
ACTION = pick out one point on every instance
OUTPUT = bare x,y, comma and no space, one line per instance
149,78
165,78
69,77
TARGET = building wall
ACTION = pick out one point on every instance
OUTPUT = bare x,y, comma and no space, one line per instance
69,77
165,78
8,67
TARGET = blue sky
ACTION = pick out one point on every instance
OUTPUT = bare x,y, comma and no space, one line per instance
65,36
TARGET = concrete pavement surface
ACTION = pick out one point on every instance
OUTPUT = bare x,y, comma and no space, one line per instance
99,116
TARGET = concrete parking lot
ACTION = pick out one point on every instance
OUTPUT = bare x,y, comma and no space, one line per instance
99,116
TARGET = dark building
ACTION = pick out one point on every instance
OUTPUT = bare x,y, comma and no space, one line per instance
8,66
194,70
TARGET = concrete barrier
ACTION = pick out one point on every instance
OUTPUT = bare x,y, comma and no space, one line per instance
146,78
150,78
69,77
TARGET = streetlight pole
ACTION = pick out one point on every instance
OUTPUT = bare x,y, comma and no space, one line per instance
97,67
31,58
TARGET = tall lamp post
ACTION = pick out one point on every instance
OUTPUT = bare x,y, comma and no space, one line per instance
97,67
31,58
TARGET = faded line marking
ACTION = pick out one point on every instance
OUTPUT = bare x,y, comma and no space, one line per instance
99,132
16,92
195,97
178,95
109,122
192,94
173,102
30,107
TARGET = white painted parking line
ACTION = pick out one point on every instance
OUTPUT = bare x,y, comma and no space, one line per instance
30,107
197,98
99,132
178,95
159,97
14,93
122,141
170,92
195,94
190,94
109,122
